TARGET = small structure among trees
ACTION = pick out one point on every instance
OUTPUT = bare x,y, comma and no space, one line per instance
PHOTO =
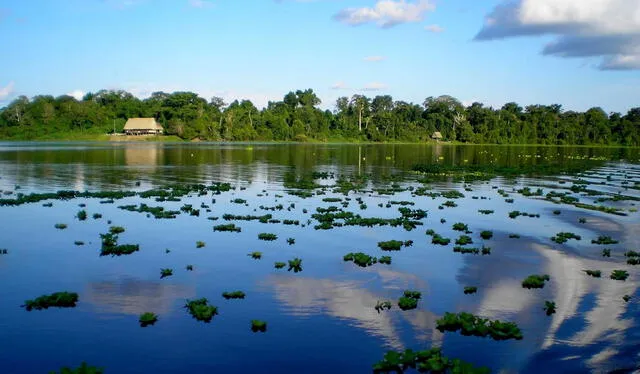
142,126
437,136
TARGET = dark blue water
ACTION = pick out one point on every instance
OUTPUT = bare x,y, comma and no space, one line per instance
322,319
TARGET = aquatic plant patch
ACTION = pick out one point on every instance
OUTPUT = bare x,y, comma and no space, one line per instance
619,275
233,295
255,255
426,361
228,228
535,281
382,305
549,307
604,240
166,273
471,325
409,300
201,310
563,237
360,259
593,273
267,236
258,326
84,368
57,299
295,265
147,319
470,290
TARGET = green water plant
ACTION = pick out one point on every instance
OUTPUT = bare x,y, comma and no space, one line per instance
385,260
464,240
81,215
606,252
57,299
267,236
116,229
471,325
233,295
279,265
549,307
201,310
111,247
360,259
593,273
230,227
426,361
409,300
60,226
562,237
84,368
166,273
391,245
486,250
440,240
258,326
604,240
470,290
189,267
460,227
619,275
486,234
291,241
295,265
255,255
535,281
147,319
626,298
78,242
382,305
200,244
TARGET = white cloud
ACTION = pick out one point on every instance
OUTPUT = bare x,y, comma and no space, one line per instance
609,29
374,58
434,28
6,91
339,86
386,13
374,86
77,94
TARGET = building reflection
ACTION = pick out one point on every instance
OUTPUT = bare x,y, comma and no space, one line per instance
143,155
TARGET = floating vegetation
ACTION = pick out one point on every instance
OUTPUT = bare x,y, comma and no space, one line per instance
267,236
157,212
189,267
382,305
385,260
604,240
549,307
427,361
239,201
391,245
464,251
626,298
97,215
228,227
57,299
279,265
562,237
582,220
258,326
360,259
606,253
116,229
291,241
60,226
78,243
485,211
556,212
535,281
486,234
255,255
619,275
200,244
147,319
111,247
233,295
593,273
84,368
460,227
166,273
471,325
437,238
82,215
486,250
516,213
263,219
295,265
464,240
201,310
514,236
409,300
470,290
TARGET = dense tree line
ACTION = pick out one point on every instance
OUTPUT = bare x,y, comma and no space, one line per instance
297,117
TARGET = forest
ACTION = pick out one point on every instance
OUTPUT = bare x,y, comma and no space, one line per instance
297,117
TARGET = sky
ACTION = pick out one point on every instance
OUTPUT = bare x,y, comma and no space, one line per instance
578,53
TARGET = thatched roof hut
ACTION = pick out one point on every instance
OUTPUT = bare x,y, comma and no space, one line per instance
436,135
142,126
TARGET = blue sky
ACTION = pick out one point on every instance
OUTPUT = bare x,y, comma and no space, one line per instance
261,49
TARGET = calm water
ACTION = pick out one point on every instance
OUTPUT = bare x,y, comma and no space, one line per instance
321,320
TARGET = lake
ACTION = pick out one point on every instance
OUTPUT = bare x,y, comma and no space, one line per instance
325,197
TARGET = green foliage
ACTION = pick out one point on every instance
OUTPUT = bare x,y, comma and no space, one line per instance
391,245
295,265
549,307
111,247
267,236
535,281
426,361
258,326
604,240
360,259
233,295
470,290
619,275
562,237
200,244
147,319
593,273
166,273
84,368
385,260
279,265
228,227
60,226
409,300
486,234
201,310
82,215
56,299
464,240
382,305
116,229
460,227
476,326
255,255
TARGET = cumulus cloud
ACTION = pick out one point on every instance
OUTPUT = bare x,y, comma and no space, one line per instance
386,13
374,58
339,86
434,28
77,94
608,29
6,91
374,86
